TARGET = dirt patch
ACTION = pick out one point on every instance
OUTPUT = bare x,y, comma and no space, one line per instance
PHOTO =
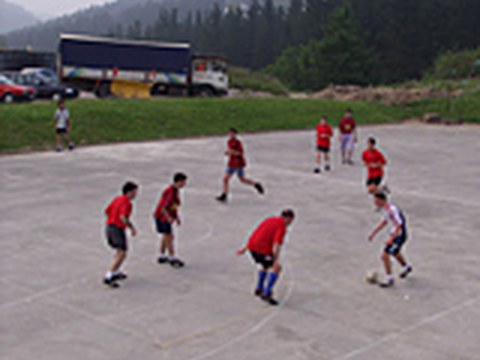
382,94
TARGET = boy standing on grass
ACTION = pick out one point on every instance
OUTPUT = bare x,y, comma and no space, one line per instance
166,214
348,136
264,245
236,165
374,161
324,134
62,126
118,219
393,217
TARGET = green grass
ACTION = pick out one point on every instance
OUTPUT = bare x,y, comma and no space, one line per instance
30,126
244,79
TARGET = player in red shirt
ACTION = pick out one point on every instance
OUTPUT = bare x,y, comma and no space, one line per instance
324,134
348,136
118,219
165,215
264,245
374,161
236,165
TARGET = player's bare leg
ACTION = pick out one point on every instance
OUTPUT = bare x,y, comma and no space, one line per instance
69,140
250,182
406,269
388,270
113,273
327,161
59,143
226,181
318,162
372,188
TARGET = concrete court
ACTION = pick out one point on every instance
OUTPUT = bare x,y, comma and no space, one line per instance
53,254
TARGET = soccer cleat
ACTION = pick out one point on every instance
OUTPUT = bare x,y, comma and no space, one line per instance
350,162
176,263
162,260
316,171
404,273
222,198
269,299
58,149
119,276
386,284
111,283
258,292
327,168
259,188
71,146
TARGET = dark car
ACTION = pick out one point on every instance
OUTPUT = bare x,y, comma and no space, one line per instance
9,91
44,88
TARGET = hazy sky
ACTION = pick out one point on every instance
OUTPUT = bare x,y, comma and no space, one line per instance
52,8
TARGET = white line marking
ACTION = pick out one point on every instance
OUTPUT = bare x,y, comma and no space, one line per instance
258,326
409,329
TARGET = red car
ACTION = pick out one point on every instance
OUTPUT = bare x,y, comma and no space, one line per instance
10,91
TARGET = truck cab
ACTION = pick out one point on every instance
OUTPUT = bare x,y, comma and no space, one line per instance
209,76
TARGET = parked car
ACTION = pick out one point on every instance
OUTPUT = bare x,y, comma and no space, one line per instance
44,89
46,74
10,92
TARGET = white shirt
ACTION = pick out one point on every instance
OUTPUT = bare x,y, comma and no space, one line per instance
62,117
393,217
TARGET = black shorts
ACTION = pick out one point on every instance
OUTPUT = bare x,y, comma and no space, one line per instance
397,245
265,260
163,227
117,238
60,131
323,149
374,181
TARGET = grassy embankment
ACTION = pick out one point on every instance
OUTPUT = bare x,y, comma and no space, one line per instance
30,126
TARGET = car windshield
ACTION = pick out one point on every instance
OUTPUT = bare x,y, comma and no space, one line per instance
5,81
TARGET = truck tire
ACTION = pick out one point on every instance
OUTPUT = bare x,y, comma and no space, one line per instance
206,92
104,90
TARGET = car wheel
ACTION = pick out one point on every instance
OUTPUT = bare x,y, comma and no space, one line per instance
8,98
56,97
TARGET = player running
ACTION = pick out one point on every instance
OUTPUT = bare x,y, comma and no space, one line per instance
165,215
264,245
393,217
348,136
375,162
118,219
236,165
324,134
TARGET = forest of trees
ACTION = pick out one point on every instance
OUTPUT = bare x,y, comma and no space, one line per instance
315,42
361,41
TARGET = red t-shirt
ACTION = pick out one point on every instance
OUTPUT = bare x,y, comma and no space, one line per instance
371,157
324,133
347,125
270,231
236,161
120,206
169,202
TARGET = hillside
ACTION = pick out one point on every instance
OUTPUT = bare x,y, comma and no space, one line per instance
13,17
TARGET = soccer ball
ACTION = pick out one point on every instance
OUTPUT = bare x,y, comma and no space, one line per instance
371,277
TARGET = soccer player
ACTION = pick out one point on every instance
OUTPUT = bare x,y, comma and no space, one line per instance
324,134
62,126
166,214
118,219
393,217
374,161
264,245
348,136
236,165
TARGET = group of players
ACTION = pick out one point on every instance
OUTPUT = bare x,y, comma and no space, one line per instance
265,243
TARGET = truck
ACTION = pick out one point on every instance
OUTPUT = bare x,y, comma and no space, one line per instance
17,59
102,65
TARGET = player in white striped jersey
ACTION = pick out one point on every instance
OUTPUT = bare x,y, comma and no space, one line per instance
393,217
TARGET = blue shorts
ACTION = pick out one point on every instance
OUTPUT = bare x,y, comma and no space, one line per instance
397,245
163,227
239,171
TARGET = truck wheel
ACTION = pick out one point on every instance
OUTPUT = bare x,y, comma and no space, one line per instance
8,98
103,90
206,91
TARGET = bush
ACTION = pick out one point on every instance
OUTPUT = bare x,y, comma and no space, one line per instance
456,65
